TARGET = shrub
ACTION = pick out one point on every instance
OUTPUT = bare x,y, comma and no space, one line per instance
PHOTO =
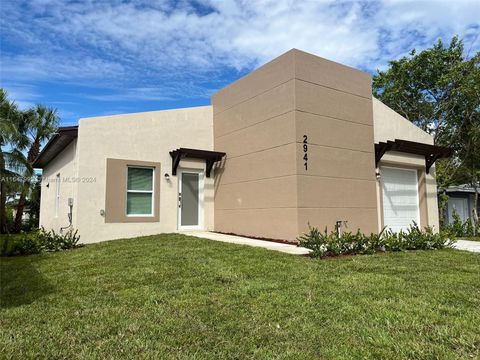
56,242
329,244
9,217
458,228
37,241
314,240
19,244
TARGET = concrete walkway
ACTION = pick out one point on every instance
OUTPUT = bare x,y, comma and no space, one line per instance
473,246
270,245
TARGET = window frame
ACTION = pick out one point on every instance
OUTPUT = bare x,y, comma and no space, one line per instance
115,191
151,192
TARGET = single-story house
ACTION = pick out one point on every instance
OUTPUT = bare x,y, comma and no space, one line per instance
298,141
461,199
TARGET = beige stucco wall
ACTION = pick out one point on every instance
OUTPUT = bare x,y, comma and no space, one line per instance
334,109
389,125
260,121
254,124
64,164
147,136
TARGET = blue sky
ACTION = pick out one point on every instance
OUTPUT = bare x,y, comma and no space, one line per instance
93,57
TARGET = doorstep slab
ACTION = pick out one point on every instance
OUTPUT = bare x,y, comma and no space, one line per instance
241,240
473,246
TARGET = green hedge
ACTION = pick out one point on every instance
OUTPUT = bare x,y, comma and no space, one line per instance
330,244
36,242
461,229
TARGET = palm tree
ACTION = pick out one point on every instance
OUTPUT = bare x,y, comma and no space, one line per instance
40,123
12,140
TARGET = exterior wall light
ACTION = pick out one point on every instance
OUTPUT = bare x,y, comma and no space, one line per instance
167,176
377,175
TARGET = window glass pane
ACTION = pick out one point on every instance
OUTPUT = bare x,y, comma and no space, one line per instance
140,179
190,195
139,204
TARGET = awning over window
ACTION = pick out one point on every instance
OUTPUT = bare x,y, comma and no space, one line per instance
210,157
430,152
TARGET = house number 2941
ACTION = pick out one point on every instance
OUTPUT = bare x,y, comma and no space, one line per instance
305,151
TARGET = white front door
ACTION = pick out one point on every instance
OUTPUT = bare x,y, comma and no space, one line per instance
400,198
190,200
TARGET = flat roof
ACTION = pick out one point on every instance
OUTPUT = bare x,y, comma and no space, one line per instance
461,188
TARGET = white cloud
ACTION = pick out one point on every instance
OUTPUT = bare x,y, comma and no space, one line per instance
25,96
179,47
65,67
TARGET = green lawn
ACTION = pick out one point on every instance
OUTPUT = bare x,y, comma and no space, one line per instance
470,238
177,297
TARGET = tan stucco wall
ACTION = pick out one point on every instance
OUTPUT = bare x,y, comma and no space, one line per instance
254,124
334,109
148,137
64,164
116,196
389,125
260,121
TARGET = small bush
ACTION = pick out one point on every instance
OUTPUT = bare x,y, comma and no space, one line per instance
459,229
9,217
37,241
56,242
329,244
19,244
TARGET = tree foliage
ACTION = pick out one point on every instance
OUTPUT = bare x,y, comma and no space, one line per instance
21,135
10,157
39,124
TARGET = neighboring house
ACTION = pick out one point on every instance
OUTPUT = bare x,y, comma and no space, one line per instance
461,199
299,140
12,201
26,213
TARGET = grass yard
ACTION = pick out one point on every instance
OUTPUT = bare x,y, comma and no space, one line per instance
470,238
177,297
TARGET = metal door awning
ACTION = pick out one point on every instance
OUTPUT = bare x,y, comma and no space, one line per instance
210,157
431,152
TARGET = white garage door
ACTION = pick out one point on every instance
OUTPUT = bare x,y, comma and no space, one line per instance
400,198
